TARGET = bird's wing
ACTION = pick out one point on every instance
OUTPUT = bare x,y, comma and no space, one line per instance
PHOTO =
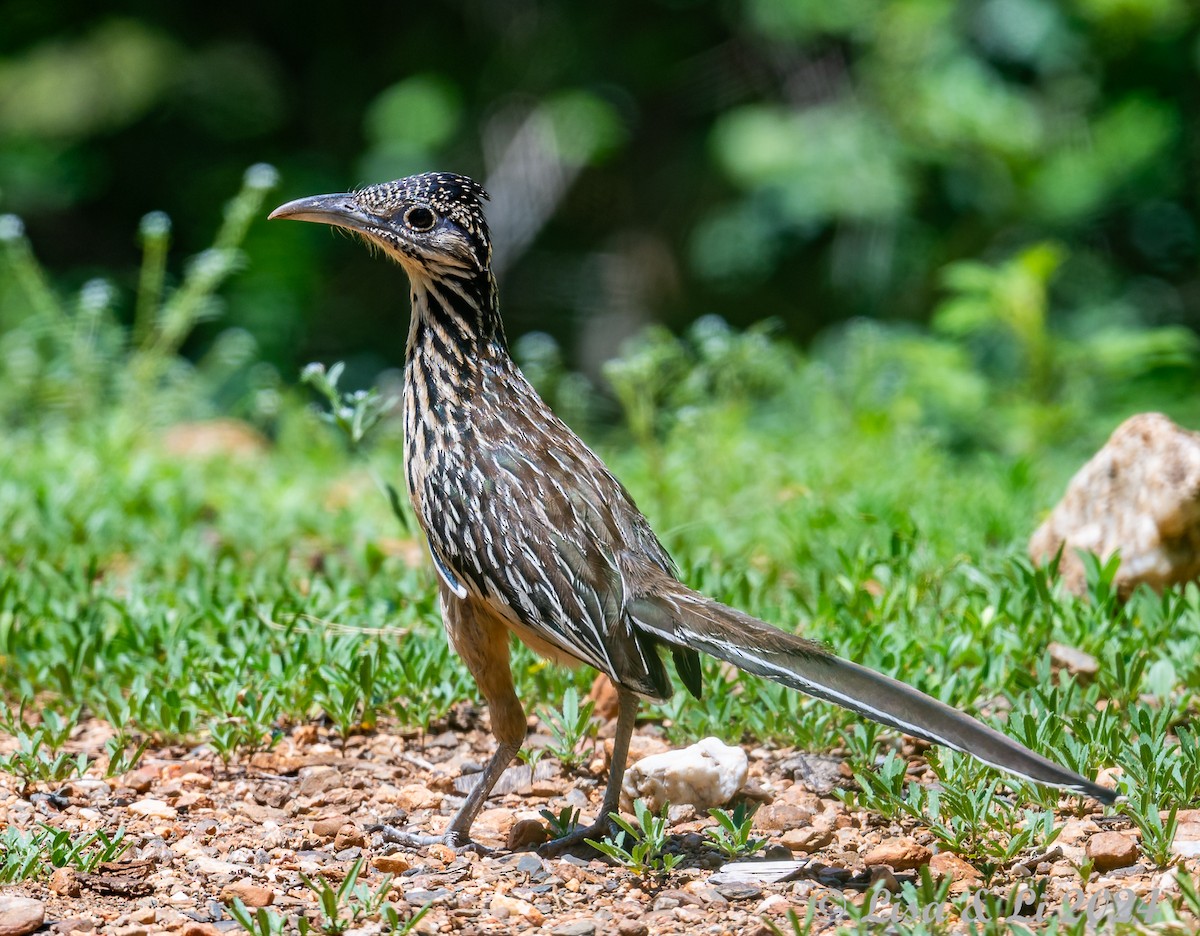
556,569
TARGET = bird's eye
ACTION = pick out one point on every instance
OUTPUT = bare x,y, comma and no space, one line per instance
419,218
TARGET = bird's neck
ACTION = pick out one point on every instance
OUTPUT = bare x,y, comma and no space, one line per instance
456,323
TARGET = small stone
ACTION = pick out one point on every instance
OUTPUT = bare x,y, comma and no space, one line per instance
20,915
140,780
203,864
772,903
144,915
349,836
251,894
414,796
64,883
901,854
706,774
807,840
1076,830
1075,661
200,929
632,927
1111,850
781,816
525,833
962,875
1187,834
391,864
319,779
131,929
530,864
739,891
442,852
328,827
153,809
503,906
575,928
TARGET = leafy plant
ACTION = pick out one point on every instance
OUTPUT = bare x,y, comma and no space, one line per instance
641,846
39,756
732,836
25,855
571,726
561,823
355,413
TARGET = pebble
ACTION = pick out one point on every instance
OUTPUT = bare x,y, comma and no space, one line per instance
153,809
251,894
961,874
20,915
1111,850
575,928
349,836
391,864
525,833
1187,833
439,851
504,906
64,883
807,840
328,827
901,854
314,780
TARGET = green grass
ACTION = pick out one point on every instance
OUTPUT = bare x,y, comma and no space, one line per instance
874,496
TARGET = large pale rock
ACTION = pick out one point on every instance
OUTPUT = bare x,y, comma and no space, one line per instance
704,775
1140,494
20,915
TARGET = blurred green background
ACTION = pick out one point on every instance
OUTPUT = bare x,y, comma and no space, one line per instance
802,161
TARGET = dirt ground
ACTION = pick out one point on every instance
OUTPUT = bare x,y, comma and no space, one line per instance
203,833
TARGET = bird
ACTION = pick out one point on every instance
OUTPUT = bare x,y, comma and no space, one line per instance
531,534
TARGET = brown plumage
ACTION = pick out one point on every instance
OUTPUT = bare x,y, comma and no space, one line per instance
531,533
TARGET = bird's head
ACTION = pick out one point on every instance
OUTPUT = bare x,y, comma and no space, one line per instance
432,224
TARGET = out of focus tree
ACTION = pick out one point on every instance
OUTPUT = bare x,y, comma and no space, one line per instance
797,159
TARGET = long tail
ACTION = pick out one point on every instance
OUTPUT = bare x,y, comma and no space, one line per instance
681,617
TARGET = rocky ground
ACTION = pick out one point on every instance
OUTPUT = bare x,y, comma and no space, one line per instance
204,833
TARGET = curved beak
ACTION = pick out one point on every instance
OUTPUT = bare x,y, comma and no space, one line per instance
340,210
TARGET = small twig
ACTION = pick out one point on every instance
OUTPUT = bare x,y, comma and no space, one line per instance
333,626
1030,864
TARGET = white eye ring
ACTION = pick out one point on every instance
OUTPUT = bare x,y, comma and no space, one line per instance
420,218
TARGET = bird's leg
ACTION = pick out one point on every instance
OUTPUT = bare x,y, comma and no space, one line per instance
482,642
458,833
627,709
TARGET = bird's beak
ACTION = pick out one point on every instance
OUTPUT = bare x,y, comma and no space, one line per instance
340,210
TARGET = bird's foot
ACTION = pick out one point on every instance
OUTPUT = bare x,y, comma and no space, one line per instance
456,840
577,839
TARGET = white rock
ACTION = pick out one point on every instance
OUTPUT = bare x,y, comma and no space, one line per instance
704,775
1139,494
154,809
203,864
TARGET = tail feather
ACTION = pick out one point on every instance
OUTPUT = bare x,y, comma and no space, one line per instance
688,619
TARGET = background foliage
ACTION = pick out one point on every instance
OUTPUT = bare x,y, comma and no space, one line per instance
786,159
979,220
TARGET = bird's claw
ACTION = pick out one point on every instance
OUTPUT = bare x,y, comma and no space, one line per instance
454,840
577,839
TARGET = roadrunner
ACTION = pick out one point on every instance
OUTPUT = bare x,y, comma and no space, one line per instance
532,535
